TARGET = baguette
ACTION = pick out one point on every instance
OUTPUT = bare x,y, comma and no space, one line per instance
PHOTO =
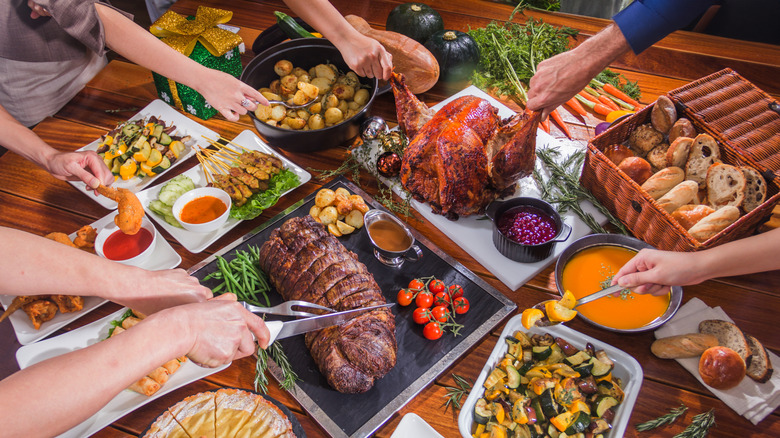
687,345
725,185
714,223
755,189
683,193
729,335
760,368
704,153
662,181
663,115
690,214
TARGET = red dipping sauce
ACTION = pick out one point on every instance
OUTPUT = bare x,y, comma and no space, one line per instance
121,246
527,225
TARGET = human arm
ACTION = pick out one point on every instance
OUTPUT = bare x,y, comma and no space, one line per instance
85,165
364,55
52,396
34,265
654,271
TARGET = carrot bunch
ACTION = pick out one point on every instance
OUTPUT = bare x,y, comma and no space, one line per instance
604,98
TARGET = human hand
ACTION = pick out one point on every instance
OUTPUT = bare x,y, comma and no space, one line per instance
220,330
367,57
228,95
557,80
653,272
157,290
86,166
37,10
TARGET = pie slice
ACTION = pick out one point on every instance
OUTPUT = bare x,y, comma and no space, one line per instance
267,421
234,409
197,415
166,426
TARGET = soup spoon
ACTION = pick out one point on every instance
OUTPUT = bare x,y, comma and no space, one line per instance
294,107
545,321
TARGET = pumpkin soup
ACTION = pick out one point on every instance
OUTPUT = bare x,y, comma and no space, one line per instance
591,270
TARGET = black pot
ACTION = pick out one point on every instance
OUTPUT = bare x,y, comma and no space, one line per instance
305,53
520,252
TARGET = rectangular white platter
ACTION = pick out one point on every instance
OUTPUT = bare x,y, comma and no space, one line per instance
197,242
163,257
475,233
124,402
164,112
626,368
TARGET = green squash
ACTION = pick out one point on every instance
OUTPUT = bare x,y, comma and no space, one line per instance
456,52
418,21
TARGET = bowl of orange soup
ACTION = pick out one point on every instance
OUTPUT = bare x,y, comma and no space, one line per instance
202,210
128,249
588,266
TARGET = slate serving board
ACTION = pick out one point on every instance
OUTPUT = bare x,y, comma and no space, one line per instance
419,361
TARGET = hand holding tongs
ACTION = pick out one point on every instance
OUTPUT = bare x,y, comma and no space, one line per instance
286,308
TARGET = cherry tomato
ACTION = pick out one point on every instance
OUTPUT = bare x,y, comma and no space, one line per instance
440,313
455,291
432,331
441,299
421,315
436,286
416,285
461,305
405,297
424,300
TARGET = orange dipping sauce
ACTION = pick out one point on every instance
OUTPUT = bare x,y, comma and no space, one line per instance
121,246
202,210
590,270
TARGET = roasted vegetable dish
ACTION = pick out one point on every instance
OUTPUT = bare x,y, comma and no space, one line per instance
545,387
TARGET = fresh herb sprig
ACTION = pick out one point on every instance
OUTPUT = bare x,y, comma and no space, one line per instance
669,418
700,425
564,189
455,393
541,5
289,376
243,277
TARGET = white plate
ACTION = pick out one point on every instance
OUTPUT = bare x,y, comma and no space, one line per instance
168,114
197,242
163,257
475,235
626,368
412,425
124,402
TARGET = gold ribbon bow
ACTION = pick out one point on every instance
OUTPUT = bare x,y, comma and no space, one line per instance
182,34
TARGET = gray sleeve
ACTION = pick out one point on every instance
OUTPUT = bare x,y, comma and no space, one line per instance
80,20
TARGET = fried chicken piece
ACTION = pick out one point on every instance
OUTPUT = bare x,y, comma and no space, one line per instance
40,311
131,212
61,238
18,302
68,303
85,237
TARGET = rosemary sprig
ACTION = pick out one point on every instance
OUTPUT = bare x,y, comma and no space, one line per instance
564,188
669,418
455,393
289,377
700,425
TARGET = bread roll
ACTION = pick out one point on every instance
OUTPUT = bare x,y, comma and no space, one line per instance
714,223
617,153
683,193
677,154
636,168
725,185
687,345
662,181
657,157
690,214
755,189
704,153
721,367
663,115
644,138
682,128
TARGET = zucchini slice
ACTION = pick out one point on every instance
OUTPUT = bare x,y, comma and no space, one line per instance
541,353
482,412
579,423
512,377
577,358
603,403
164,165
515,348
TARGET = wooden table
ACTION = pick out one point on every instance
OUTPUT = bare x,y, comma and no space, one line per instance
32,200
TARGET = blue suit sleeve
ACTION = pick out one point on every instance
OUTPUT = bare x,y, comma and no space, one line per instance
645,22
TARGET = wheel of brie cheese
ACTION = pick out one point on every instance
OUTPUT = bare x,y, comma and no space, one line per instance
226,412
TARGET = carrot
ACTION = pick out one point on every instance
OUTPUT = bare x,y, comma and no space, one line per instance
613,90
545,124
588,96
598,108
576,106
608,102
559,121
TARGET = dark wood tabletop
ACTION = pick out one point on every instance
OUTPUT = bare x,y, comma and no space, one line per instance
34,201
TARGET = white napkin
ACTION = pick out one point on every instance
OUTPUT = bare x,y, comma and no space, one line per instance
750,399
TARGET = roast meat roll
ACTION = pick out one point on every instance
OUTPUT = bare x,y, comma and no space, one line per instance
305,262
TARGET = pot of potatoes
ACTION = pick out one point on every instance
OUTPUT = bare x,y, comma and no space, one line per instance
311,72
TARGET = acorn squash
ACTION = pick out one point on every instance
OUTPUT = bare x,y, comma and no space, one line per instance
418,21
456,52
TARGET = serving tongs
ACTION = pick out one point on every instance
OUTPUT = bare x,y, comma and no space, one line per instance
287,308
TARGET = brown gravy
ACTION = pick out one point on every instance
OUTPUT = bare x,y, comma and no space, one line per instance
389,236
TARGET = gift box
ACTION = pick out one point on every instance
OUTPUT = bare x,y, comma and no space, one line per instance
202,39
744,120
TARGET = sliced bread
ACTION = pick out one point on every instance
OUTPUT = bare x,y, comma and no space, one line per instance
725,186
729,335
704,153
760,368
755,189
677,154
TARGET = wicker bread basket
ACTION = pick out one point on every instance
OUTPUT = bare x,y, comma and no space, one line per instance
727,107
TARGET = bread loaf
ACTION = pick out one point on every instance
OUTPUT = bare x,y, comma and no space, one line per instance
755,189
644,138
690,214
683,193
657,157
636,168
662,181
677,154
721,367
760,368
725,185
663,115
617,153
682,128
728,334
704,153
687,345
714,223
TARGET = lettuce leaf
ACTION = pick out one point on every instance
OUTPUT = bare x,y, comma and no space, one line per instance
257,203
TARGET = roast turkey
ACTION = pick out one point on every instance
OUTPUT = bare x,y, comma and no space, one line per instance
305,262
464,156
